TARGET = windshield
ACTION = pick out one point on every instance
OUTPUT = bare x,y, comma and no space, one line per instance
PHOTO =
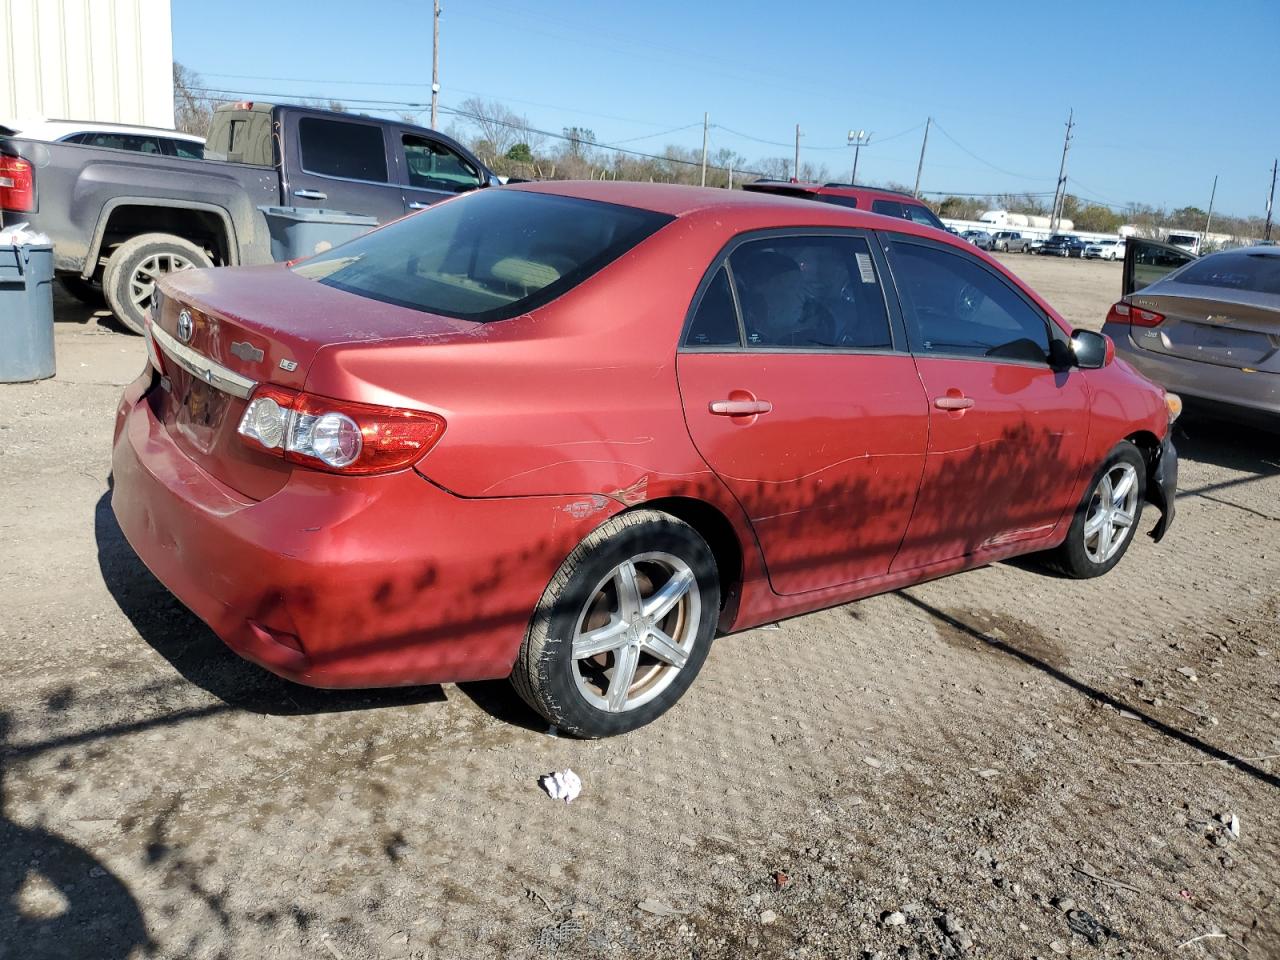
485,256
1259,272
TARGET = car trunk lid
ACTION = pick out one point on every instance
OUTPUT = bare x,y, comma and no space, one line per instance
222,332
1219,329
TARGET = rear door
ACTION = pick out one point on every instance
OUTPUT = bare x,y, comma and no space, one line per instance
432,169
799,392
340,164
1007,429
1146,261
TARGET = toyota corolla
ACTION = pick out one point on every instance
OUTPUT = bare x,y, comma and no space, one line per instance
565,433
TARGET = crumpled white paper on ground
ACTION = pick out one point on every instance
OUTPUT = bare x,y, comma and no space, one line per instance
562,785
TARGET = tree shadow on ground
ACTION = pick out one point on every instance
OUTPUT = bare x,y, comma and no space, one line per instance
56,899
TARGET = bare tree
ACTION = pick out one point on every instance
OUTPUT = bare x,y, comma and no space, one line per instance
192,110
500,128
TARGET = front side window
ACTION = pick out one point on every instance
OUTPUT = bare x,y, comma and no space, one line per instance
433,166
339,148
810,291
489,255
919,213
961,309
187,149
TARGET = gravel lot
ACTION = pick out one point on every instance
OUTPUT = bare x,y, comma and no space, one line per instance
999,764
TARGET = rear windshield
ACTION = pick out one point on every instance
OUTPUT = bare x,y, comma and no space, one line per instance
1259,272
488,255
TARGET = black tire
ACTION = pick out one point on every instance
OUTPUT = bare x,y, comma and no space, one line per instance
127,262
86,291
1073,558
547,675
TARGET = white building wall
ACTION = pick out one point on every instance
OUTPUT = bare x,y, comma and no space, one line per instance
105,60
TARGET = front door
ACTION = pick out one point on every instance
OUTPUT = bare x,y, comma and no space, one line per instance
1007,428
431,170
799,394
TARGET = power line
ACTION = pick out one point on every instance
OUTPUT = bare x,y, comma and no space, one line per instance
1008,173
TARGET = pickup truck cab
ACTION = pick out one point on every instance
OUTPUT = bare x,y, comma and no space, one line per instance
119,220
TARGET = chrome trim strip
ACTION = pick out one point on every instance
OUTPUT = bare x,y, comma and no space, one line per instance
201,367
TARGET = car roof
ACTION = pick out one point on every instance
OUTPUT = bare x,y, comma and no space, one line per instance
740,209
41,129
829,189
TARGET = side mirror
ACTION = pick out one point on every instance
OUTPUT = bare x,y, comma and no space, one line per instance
494,180
1091,350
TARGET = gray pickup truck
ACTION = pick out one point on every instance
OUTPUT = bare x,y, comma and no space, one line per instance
120,219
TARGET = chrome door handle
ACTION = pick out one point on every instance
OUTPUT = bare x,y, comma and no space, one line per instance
952,403
418,206
311,195
740,408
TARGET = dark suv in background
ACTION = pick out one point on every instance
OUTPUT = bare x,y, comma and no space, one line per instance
890,203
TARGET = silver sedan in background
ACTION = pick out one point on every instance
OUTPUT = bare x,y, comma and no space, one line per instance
1206,328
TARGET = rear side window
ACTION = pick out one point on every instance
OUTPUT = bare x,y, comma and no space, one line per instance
808,292
338,148
838,200
122,141
1258,272
489,255
715,323
961,309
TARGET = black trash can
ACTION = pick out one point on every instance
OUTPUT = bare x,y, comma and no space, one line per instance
305,231
26,313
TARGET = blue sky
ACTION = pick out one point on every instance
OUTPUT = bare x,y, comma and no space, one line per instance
1166,95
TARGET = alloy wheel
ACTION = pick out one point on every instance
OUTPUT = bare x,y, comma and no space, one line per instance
636,631
1112,509
142,284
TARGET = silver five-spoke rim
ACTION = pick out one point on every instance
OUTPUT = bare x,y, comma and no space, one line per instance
143,282
636,632
1109,520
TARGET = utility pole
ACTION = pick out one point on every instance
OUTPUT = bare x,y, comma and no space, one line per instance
1209,219
920,165
1270,198
795,170
730,174
1060,194
435,59
704,148
857,139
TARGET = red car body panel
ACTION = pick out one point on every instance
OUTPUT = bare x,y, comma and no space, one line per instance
828,477
559,419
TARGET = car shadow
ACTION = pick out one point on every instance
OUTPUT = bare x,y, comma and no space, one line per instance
200,657
56,899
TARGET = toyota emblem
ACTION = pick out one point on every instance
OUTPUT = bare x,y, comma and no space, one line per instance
185,326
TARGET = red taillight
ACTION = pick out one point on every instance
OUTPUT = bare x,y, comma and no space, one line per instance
17,185
339,436
1127,313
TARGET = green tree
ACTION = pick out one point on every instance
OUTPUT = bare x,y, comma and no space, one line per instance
1097,219
520,153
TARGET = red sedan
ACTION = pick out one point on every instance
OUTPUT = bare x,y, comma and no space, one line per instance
566,432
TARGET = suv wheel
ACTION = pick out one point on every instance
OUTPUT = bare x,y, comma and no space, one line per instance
131,274
623,628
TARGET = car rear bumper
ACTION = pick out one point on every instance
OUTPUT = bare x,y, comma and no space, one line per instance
338,581
1230,386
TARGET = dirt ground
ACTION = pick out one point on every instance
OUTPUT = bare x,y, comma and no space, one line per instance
999,764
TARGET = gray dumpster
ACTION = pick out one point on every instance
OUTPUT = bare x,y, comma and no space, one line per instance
304,231
26,313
